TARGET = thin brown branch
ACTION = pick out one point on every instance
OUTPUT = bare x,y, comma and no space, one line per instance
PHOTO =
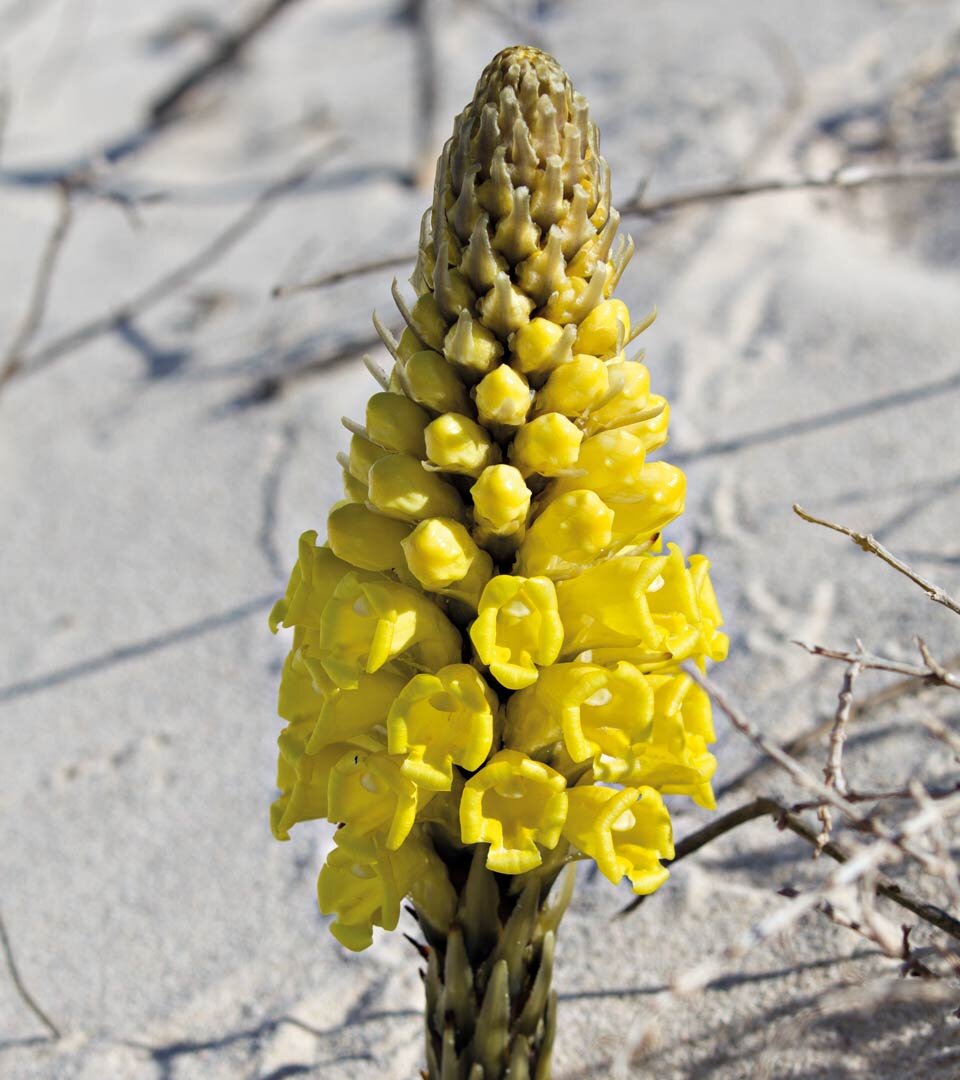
12,360
919,679
833,771
847,177
175,279
25,996
785,760
225,53
933,673
388,262
785,819
870,544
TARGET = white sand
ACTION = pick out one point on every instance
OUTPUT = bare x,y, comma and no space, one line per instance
146,521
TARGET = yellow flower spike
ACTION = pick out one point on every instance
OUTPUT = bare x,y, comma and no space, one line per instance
312,582
546,446
574,388
369,621
364,538
429,380
362,457
605,329
503,398
594,710
471,348
517,629
359,714
443,557
397,423
541,346
608,606
401,488
457,444
439,721
501,500
369,794
572,532
513,804
626,832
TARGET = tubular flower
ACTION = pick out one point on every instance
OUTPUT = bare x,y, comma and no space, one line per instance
485,671
517,629
440,721
627,832
513,804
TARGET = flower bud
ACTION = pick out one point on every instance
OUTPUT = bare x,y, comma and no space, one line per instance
541,346
501,501
547,446
569,534
364,538
605,329
471,347
397,423
503,398
457,444
430,380
401,488
443,557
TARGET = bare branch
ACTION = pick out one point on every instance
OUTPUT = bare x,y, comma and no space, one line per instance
873,546
176,278
846,177
388,262
40,292
25,996
918,680
833,772
934,672
800,773
226,52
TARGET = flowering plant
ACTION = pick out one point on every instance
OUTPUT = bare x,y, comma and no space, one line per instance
484,682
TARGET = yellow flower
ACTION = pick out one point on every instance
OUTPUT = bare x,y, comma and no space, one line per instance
372,799
312,581
370,620
367,892
303,783
626,832
517,629
357,713
439,721
572,532
513,804
595,710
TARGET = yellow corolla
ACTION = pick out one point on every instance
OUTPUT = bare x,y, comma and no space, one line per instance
360,712
312,581
595,710
517,629
572,532
371,620
439,721
674,758
303,784
682,603
372,800
367,892
513,804
627,832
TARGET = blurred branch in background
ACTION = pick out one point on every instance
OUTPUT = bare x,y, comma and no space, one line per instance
24,994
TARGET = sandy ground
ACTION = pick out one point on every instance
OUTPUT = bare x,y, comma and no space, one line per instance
150,501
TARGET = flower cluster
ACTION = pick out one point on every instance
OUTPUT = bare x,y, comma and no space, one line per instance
487,648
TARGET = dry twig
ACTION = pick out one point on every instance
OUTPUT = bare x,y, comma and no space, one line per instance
933,673
870,544
12,360
388,262
846,177
176,278
833,772
25,996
